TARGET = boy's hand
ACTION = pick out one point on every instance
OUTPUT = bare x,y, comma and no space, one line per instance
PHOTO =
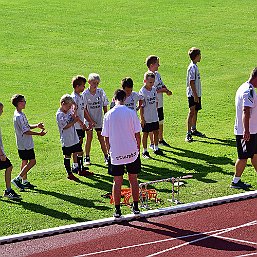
42,132
41,125
168,92
3,158
196,99
142,123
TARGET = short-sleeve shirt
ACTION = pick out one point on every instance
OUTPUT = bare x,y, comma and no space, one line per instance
120,125
149,104
78,99
1,142
193,74
158,84
94,104
132,100
68,137
246,97
21,125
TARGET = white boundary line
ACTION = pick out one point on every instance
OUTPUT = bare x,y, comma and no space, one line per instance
249,254
129,217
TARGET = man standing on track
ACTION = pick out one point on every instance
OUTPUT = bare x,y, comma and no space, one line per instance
121,129
245,128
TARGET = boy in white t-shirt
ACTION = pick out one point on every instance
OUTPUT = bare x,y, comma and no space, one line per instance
96,103
66,119
121,129
6,165
245,129
24,141
149,114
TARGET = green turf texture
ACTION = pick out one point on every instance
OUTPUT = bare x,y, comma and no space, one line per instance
45,43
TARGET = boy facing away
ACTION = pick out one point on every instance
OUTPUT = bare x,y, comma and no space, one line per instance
69,138
153,64
194,93
24,141
149,114
6,165
96,103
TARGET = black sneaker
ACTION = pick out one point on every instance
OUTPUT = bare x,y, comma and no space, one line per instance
164,143
197,133
117,214
136,211
146,155
189,138
240,185
87,160
28,185
158,152
11,194
75,170
18,184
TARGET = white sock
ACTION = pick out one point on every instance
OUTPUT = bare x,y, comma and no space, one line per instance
144,150
155,147
24,181
236,179
75,165
19,177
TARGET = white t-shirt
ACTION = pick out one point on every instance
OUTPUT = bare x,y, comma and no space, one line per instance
158,84
68,137
193,74
245,96
78,99
94,104
21,125
132,100
149,104
120,125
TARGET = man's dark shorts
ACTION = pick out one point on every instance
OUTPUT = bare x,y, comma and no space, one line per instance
149,127
26,155
191,102
119,170
81,133
5,164
246,149
72,149
160,114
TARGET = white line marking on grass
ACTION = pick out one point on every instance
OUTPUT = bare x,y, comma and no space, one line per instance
249,254
203,238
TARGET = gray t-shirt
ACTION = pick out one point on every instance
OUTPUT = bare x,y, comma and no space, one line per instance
193,74
78,99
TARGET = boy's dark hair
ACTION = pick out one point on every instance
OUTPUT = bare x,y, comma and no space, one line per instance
253,73
1,104
78,81
16,98
119,95
152,59
193,52
148,75
127,82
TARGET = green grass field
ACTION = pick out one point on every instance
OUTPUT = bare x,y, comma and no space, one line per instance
45,43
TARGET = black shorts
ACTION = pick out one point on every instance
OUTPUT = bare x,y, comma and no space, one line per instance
160,113
26,155
119,170
246,149
96,129
72,149
6,164
149,127
191,102
81,133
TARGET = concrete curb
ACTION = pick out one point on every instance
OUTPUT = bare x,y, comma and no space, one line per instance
129,217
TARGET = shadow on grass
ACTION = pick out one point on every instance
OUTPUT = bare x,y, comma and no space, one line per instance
227,142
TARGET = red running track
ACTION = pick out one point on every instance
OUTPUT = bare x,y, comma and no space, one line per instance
224,230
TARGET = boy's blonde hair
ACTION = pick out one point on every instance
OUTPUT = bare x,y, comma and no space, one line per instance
93,76
193,52
148,75
66,99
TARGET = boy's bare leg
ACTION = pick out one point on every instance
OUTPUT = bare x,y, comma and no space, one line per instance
190,118
240,166
26,166
144,140
134,186
116,189
88,142
8,173
102,143
160,136
254,162
156,137
151,138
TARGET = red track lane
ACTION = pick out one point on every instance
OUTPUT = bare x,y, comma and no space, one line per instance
223,230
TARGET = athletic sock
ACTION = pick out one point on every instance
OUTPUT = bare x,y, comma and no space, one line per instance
25,181
80,163
19,177
67,165
144,150
236,179
117,207
193,128
155,147
135,205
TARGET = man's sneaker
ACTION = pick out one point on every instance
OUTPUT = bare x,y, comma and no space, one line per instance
117,214
146,155
28,185
106,159
151,146
158,152
75,170
136,211
18,184
240,185
189,138
197,133
85,173
11,194
164,143
87,160
72,177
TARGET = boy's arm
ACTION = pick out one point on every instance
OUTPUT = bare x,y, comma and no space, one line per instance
138,139
39,125
2,155
192,85
107,143
33,133
88,118
105,109
142,119
75,120
246,118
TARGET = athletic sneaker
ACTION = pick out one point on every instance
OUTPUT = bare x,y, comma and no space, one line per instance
28,185
197,133
158,152
18,184
72,177
136,211
189,138
117,214
87,160
75,170
240,185
146,155
151,146
11,194
85,173
106,159
164,143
